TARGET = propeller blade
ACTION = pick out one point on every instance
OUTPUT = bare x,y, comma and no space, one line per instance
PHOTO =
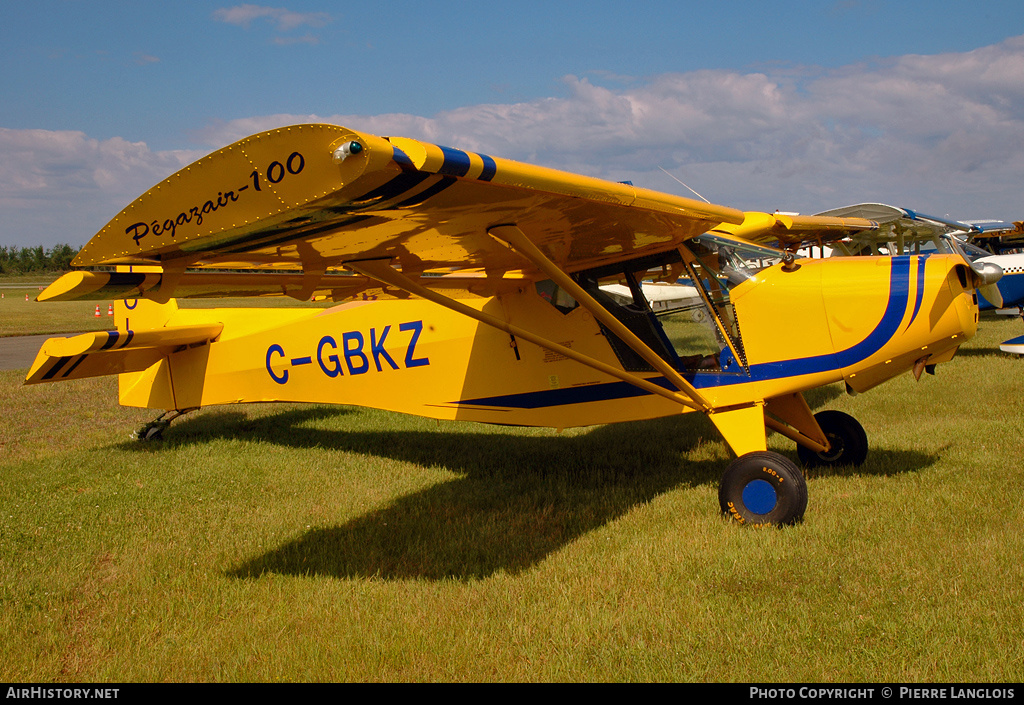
992,294
986,274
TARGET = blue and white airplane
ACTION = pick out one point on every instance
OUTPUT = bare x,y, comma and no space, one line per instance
1004,239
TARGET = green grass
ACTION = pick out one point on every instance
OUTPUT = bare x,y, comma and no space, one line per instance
19,316
285,543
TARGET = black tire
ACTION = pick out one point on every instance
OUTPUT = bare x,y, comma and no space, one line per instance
847,437
763,488
153,431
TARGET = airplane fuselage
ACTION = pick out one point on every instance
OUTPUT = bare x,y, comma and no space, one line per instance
856,320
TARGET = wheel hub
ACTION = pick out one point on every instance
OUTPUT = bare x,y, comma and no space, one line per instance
760,497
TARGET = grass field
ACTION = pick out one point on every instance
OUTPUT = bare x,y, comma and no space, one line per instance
285,543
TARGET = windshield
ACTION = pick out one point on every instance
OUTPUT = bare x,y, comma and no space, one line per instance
971,251
738,260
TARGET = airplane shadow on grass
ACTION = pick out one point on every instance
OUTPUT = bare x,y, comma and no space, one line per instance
993,351
517,498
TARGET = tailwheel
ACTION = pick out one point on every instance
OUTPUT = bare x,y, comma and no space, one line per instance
846,436
763,488
154,430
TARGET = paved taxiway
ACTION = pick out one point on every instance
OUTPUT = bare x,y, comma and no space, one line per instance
18,352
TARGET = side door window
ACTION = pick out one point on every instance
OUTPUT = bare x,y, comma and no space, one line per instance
701,324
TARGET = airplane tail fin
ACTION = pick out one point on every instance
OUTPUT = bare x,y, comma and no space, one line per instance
143,314
137,351
158,351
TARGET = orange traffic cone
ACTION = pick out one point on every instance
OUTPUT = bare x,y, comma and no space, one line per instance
97,311
26,297
110,310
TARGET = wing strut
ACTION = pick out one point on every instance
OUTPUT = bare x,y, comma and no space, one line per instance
381,270
688,262
517,239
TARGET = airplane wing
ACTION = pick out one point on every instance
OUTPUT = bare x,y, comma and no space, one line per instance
901,228
793,230
301,201
894,220
998,236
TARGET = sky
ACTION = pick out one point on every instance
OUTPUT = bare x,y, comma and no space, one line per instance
782,104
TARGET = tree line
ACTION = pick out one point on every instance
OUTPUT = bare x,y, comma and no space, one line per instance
31,260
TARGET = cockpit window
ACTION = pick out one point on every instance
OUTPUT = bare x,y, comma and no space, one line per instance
716,265
969,250
737,260
678,304
556,296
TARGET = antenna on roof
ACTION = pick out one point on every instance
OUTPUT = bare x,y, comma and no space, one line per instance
687,187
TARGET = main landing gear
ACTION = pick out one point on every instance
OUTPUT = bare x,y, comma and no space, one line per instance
846,436
763,488
767,488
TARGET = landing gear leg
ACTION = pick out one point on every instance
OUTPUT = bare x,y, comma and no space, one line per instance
761,487
154,430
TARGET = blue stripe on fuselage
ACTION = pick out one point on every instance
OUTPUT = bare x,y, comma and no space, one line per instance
896,309
112,336
402,159
455,163
920,288
899,294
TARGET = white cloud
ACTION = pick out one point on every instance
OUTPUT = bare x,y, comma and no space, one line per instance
304,39
283,20
942,134
62,186
142,59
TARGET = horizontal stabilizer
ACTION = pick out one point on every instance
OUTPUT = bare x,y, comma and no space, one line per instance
113,352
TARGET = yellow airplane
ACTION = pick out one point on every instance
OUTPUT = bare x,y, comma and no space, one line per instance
475,288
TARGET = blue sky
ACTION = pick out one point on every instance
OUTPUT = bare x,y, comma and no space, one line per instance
792,105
